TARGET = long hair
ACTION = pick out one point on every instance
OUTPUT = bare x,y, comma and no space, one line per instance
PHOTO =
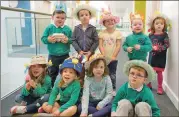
153,28
94,64
39,79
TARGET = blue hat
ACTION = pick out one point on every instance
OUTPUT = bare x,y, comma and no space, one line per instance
71,63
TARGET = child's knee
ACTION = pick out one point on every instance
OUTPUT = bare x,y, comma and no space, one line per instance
142,105
18,98
143,109
124,103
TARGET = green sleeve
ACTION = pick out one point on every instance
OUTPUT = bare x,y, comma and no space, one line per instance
125,45
45,35
120,95
73,99
40,90
151,101
54,93
24,91
70,36
148,45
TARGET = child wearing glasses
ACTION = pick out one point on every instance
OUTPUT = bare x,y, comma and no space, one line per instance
134,97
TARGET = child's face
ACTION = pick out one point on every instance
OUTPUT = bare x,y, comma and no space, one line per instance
37,70
137,25
68,75
84,16
137,77
159,25
98,70
110,23
59,19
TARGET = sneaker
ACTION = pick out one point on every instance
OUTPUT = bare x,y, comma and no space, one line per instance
40,110
18,110
160,91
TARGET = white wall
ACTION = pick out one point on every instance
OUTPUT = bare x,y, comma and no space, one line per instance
170,8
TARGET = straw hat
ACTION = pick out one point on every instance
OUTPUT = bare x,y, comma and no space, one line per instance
106,16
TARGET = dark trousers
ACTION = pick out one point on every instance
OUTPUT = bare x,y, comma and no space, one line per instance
32,103
105,111
112,72
54,69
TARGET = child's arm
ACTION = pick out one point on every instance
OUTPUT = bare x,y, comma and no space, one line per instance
166,44
147,47
125,45
74,41
101,42
95,41
45,36
25,90
73,99
117,49
54,93
85,97
42,89
108,96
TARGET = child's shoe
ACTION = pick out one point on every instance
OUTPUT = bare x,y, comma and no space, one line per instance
18,110
40,110
149,85
160,91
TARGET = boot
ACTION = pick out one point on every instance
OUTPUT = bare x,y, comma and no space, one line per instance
149,85
160,81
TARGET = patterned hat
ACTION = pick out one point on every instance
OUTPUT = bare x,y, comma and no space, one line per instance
151,73
86,7
94,58
158,14
71,63
37,60
106,15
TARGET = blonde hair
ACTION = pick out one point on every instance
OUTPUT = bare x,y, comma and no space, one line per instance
39,79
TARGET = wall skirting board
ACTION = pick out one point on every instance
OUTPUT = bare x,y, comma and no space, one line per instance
173,97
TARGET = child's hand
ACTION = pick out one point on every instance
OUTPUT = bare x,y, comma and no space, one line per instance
83,115
48,109
113,114
98,108
51,39
65,39
137,47
56,113
129,49
28,86
33,84
81,52
87,54
155,48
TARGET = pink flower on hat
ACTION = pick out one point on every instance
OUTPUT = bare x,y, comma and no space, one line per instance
106,16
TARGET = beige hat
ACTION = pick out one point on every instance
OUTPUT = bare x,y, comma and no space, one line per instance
82,7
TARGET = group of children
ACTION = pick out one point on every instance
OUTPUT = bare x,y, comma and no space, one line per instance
88,88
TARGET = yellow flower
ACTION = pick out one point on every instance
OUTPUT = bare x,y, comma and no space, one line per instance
50,62
75,61
26,65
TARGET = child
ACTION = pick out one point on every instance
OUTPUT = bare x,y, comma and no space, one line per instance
69,89
137,44
110,43
36,88
97,90
134,95
57,36
160,43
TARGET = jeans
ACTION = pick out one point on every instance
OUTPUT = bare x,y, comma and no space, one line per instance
54,69
32,104
105,111
112,72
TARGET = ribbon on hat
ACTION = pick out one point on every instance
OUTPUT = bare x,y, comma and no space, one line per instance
61,5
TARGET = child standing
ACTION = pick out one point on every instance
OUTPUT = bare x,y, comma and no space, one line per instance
68,87
110,43
160,43
36,88
137,44
57,36
85,37
134,97
97,91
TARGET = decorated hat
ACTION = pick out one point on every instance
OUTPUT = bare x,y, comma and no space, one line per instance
37,60
158,14
60,5
93,58
136,16
84,7
71,63
106,15
151,73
